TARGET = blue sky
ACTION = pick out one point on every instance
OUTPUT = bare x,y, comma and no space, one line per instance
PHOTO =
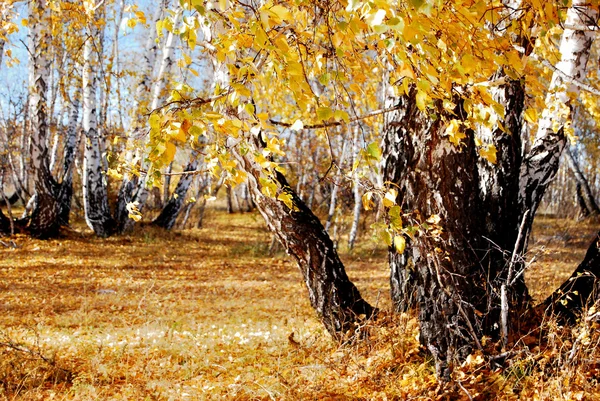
14,80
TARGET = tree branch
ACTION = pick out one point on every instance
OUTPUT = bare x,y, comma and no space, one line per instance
338,123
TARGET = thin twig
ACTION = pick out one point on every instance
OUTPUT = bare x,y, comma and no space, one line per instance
339,123
517,249
570,79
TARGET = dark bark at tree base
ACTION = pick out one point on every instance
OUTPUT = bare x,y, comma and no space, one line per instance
43,222
125,196
4,224
168,215
64,199
581,290
456,273
335,298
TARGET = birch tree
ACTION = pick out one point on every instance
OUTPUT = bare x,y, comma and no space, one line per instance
43,220
97,211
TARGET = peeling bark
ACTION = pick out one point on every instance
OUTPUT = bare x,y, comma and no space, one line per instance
335,298
43,221
542,161
95,197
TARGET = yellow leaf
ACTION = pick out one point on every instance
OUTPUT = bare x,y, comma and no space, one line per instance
324,113
337,39
133,211
341,115
434,219
421,100
281,12
399,244
114,174
169,153
454,132
287,199
186,125
389,199
367,200
489,153
531,115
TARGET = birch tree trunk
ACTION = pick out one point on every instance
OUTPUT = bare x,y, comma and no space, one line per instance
335,187
542,161
95,197
142,96
457,278
168,216
335,298
43,221
166,62
141,192
355,193
69,154
115,62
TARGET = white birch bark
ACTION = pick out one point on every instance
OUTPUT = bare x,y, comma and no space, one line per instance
44,216
159,85
95,199
356,193
120,6
142,96
166,62
148,59
542,161
65,193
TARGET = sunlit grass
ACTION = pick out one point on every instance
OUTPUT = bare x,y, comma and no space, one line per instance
208,314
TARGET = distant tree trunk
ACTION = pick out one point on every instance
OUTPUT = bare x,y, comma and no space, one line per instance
141,195
335,298
168,216
95,196
588,205
213,194
229,194
142,95
203,183
69,154
167,184
356,195
6,223
581,290
43,221
335,187
115,57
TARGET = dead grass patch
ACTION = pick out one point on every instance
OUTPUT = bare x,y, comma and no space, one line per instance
208,314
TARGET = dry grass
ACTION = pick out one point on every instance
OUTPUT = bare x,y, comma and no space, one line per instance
207,314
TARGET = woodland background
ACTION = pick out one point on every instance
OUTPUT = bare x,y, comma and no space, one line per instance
143,146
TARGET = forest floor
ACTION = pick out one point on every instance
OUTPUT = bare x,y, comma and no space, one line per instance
209,314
